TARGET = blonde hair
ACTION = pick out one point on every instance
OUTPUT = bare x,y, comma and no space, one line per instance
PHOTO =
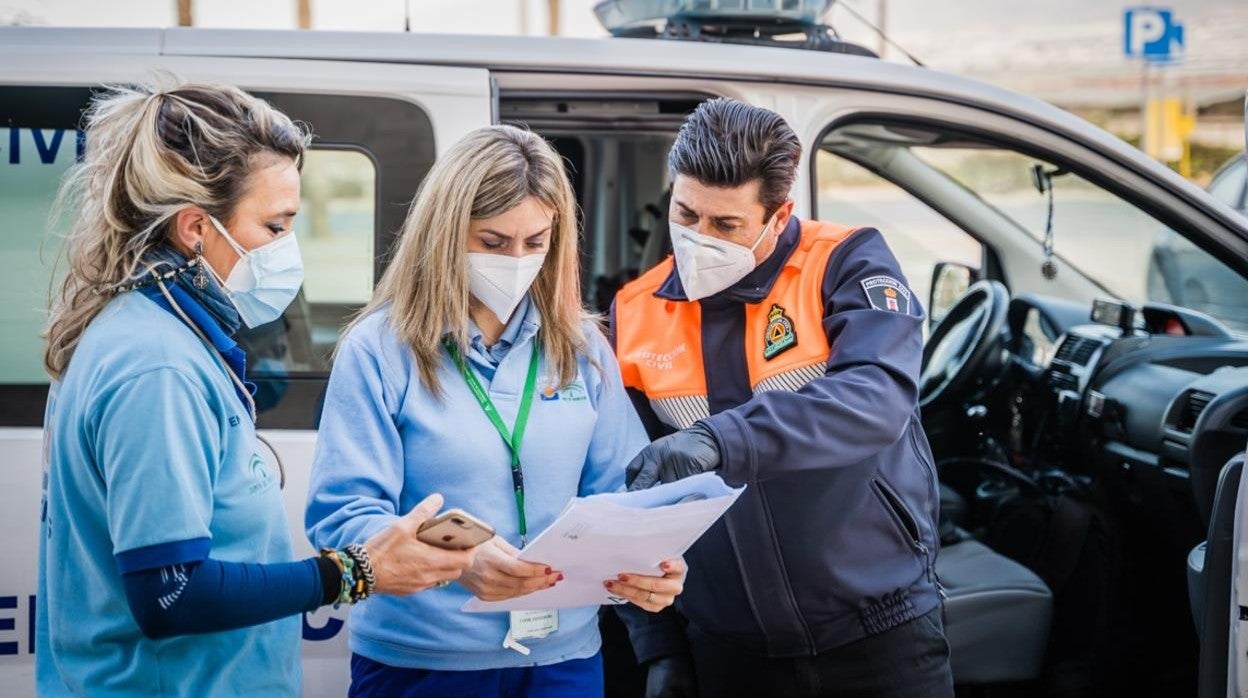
151,151
487,173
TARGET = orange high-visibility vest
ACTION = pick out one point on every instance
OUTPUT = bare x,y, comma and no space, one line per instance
659,341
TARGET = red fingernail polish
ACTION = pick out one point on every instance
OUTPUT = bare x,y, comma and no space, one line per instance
548,570
559,578
623,577
608,584
665,566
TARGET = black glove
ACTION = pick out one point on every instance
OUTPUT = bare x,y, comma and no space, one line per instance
671,677
675,456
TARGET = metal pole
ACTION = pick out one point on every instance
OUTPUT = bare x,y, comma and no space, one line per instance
304,13
881,22
1144,139
552,7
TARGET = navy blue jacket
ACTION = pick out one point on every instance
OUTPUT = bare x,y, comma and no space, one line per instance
835,537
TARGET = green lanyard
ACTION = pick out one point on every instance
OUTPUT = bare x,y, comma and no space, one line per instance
513,437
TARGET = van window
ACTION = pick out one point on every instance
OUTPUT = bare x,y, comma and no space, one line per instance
336,231
1109,239
32,162
1098,230
356,183
335,227
920,238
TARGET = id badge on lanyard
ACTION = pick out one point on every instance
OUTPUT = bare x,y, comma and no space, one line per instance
522,625
529,625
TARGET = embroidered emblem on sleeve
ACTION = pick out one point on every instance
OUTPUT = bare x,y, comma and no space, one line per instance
888,294
780,336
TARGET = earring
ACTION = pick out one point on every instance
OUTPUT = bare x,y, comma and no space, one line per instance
201,277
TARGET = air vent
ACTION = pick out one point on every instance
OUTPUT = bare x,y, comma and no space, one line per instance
1196,403
1240,421
1077,350
1063,381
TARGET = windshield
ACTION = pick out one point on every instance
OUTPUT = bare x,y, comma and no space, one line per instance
1123,249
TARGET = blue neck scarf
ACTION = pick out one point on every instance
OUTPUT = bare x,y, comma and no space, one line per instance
207,308
211,296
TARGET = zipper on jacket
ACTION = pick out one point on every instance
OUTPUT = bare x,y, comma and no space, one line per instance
934,491
788,586
911,528
907,520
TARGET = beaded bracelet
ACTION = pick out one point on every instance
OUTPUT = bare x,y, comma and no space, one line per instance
347,592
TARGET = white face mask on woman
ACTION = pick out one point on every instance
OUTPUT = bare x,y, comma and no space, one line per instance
264,281
708,265
500,281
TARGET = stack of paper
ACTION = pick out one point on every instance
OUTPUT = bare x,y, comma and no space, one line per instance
599,537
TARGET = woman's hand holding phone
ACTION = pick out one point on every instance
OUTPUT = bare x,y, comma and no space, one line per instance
649,592
404,565
496,574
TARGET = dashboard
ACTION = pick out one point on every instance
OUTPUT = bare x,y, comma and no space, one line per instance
1168,398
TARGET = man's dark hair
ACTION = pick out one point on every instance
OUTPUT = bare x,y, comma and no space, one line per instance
726,143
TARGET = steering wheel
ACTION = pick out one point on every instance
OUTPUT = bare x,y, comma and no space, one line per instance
963,343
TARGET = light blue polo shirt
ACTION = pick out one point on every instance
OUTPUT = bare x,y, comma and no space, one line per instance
152,460
385,443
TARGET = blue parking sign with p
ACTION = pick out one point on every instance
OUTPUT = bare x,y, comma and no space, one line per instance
1152,33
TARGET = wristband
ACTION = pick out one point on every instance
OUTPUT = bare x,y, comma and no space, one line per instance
347,593
366,581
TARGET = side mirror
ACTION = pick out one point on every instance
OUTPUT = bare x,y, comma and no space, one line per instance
949,281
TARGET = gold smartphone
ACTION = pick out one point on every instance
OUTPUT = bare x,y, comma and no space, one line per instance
454,529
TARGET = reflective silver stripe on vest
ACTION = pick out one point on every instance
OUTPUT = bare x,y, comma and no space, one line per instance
681,412
793,380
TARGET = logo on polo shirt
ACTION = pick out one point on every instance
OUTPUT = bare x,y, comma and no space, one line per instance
570,393
260,474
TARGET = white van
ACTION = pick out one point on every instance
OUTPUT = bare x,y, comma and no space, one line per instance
946,167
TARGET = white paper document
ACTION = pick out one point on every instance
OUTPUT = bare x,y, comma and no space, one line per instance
599,537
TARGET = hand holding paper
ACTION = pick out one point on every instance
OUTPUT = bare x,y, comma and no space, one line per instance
596,538
497,574
650,592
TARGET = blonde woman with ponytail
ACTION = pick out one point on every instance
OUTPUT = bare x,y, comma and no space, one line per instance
166,565
476,341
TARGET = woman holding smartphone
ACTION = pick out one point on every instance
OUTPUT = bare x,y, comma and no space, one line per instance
476,372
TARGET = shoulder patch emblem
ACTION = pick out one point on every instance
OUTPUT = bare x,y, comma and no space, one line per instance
780,336
887,293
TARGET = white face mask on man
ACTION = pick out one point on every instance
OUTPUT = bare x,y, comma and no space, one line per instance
264,281
708,265
500,281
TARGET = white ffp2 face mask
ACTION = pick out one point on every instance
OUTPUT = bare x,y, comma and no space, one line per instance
500,281
708,265
263,281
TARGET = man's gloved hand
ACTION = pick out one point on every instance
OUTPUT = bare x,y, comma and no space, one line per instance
675,456
671,677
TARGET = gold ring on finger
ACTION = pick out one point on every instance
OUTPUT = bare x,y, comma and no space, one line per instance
650,597
443,584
